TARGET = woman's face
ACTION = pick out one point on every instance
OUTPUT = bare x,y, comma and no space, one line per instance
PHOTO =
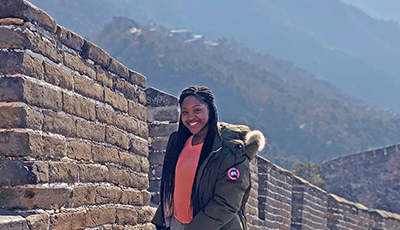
195,115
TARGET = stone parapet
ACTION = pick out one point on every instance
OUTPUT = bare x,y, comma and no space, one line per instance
274,195
350,177
73,130
163,117
309,205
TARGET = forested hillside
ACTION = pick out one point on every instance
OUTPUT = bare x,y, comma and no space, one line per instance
299,114
329,39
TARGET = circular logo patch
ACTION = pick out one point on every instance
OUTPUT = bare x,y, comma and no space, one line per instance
233,173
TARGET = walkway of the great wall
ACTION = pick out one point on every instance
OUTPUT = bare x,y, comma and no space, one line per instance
82,142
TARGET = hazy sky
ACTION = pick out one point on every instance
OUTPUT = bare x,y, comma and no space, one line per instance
380,9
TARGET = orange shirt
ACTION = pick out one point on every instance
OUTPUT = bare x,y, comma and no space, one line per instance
184,178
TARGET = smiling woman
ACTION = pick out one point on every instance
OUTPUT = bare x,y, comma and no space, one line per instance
206,178
195,118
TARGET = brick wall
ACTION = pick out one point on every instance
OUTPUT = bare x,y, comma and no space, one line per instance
163,117
350,177
73,130
309,206
82,143
274,195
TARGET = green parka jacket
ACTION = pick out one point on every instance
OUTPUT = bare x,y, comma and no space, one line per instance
223,180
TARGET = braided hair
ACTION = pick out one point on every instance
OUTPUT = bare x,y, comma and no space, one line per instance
204,95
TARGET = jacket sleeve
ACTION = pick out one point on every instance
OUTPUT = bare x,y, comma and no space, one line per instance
227,198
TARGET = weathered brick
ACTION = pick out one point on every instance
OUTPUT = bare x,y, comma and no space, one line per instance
60,123
90,130
20,37
27,11
19,89
100,216
156,158
106,114
11,88
30,198
69,38
161,129
42,96
79,150
154,185
38,221
20,117
137,79
116,137
157,171
96,54
83,195
118,68
104,77
142,130
63,172
137,110
46,146
130,91
145,214
107,195
126,216
57,76
75,220
158,98
170,114
115,100
146,197
13,172
127,178
104,154
93,173
20,63
89,88
139,147
11,21
145,165
158,144
15,37
132,126
30,144
33,119
79,106
131,161
126,123
76,63
132,197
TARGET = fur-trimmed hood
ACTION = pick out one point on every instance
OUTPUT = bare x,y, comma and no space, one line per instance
235,135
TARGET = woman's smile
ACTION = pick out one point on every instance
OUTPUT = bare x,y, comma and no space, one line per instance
195,115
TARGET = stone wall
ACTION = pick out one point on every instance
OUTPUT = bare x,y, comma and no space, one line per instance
274,195
82,142
309,206
73,129
371,177
163,117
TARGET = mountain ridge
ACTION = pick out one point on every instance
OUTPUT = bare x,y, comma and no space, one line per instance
296,118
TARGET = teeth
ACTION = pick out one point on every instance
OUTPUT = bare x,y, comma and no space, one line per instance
193,123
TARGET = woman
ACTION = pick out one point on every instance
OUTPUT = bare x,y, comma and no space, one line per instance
206,177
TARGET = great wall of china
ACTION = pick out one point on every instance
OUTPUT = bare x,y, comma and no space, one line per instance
82,142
